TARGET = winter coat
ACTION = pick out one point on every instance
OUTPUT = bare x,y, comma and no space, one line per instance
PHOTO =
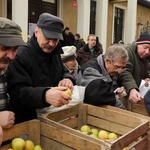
79,43
99,84
132,75
84,54
30,75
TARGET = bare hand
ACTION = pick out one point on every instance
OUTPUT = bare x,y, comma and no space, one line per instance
146,81
6,119
56,97
66,83
1,135
121,92
134,96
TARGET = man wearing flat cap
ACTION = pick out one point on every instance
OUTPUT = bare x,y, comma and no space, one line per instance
10,39
36,77
137,67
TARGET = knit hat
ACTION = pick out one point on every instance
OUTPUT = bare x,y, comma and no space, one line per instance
10,33
144,38
69,53
51,26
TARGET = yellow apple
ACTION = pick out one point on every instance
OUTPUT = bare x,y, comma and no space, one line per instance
124,148
94,131
10,149
29,145
85,128
38,147
68,91
18,144
112,136
103,135
93,135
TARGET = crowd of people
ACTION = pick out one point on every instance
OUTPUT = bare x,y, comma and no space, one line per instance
34,74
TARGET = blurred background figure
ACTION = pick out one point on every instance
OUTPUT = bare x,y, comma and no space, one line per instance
121,42
99,44
88,51
69,60
68,38
78,41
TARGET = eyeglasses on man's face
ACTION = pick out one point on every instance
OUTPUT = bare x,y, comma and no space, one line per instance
116,67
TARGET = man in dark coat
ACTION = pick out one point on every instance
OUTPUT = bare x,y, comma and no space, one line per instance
88,51
36,77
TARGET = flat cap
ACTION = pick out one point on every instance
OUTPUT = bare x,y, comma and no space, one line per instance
51,26
10,33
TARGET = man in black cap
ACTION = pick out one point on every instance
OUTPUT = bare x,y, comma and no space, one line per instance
10,39
137,67
36,76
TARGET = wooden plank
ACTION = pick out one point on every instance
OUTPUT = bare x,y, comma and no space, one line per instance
82,115
71,137
63,114
114,117
51,144
109,125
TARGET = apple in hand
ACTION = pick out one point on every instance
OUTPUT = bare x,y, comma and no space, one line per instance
85,128
103,135
68,91
112,136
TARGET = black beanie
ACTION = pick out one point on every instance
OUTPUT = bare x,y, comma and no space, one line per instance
144,38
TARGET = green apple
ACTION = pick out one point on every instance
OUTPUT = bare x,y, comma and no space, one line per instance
85,128
103,135
112,136
124,148
29,145
38,147
93,135
18,144
94,131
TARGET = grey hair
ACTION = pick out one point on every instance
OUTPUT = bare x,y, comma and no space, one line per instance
116,52
90,36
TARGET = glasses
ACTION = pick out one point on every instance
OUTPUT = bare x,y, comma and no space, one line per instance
115,66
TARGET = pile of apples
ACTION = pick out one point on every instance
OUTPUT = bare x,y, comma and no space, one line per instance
21,144
102,134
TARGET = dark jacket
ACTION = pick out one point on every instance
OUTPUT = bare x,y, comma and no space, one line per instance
147,101
30,74
133,74
79,43
84,54
99,85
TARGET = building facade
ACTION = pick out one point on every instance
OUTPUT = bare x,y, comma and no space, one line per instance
110,20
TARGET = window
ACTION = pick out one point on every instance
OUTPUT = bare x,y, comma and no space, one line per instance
118,25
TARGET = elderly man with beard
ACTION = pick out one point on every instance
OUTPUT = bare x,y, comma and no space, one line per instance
36,77
100,76
10,39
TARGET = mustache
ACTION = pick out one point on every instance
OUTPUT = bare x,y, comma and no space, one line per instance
48,46
5,59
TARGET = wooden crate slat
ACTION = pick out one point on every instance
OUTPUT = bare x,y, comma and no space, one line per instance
109,115
62,114
108,125
69,138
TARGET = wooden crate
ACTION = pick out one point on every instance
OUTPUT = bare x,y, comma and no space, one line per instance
132,114
135,107
132,130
